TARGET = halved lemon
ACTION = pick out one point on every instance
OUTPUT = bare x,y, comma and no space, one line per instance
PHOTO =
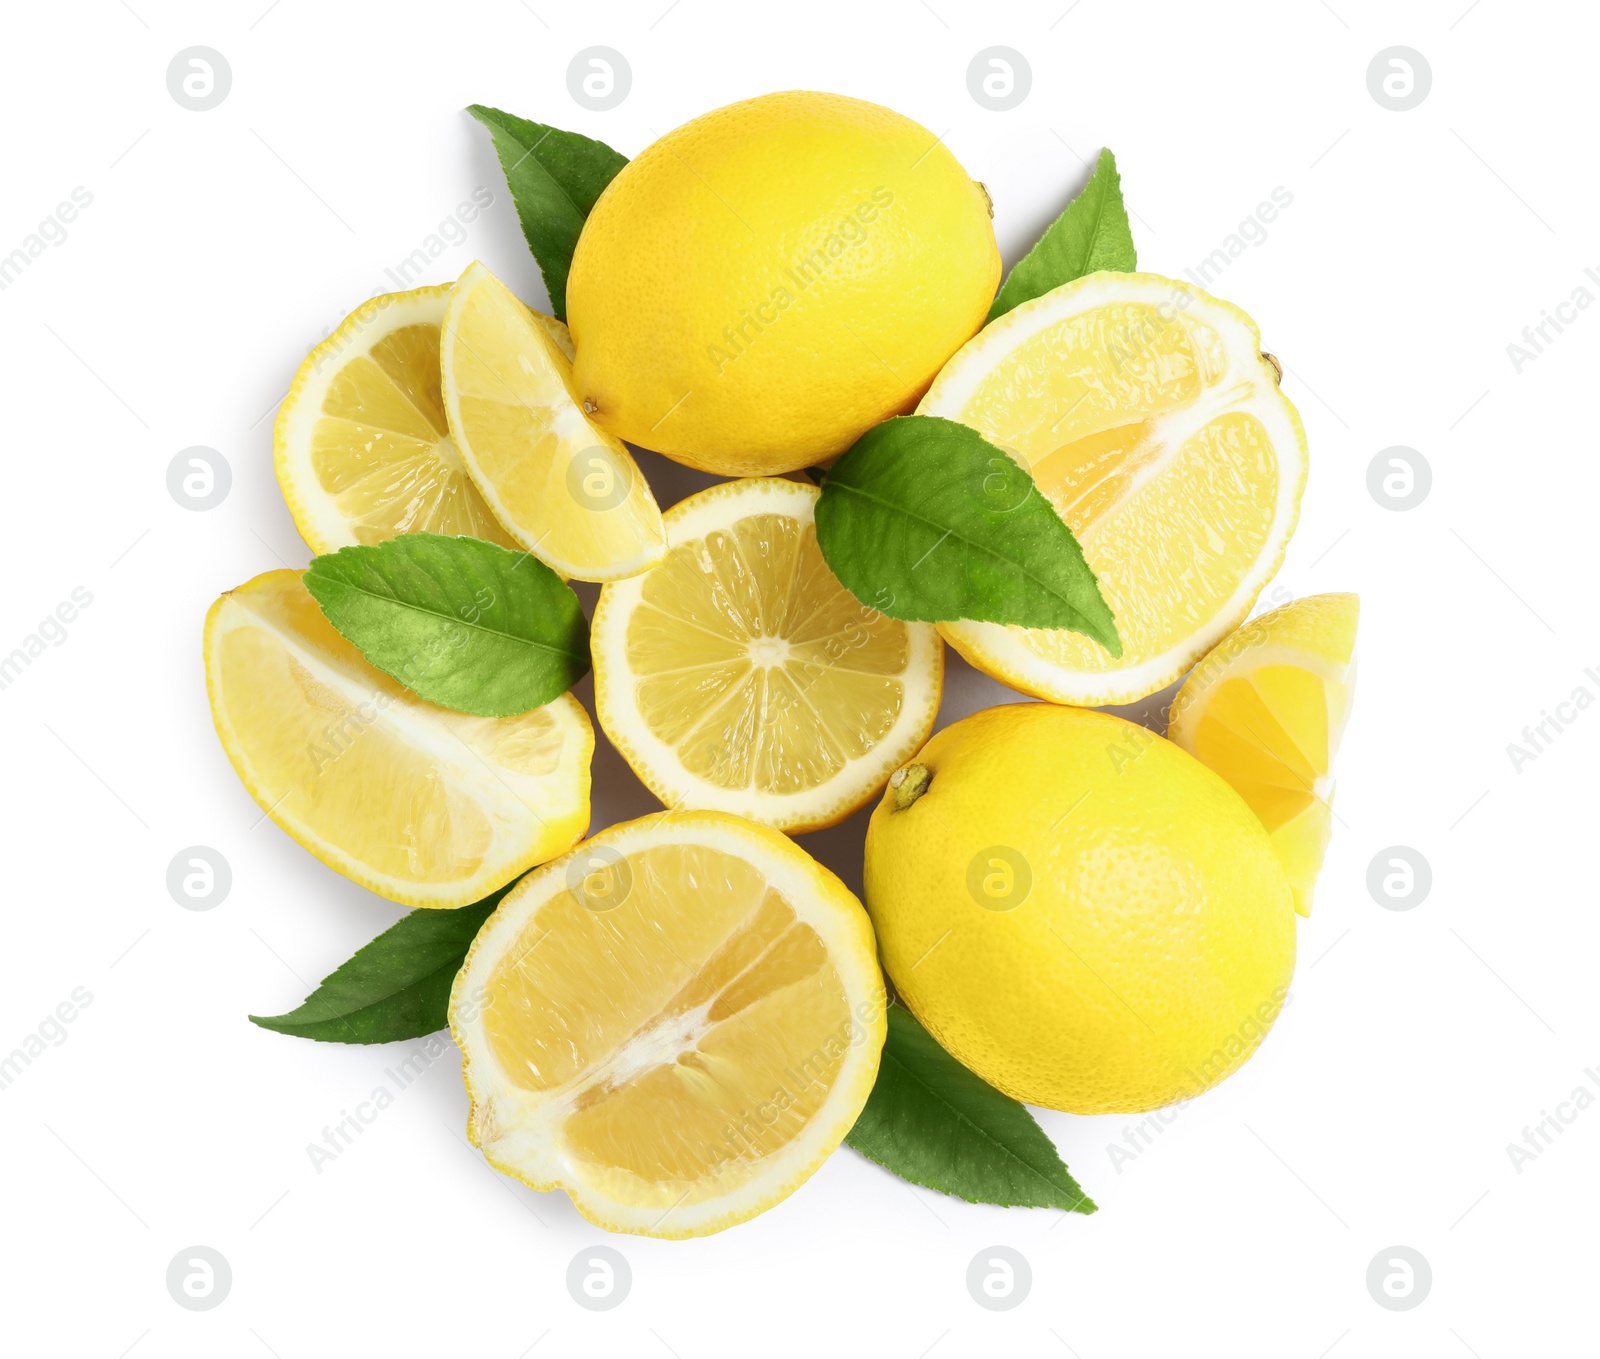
740,675
1266,710
421,805
1148,415
676,1023
361,444
568,492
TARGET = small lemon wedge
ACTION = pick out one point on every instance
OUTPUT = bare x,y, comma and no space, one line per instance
1266,710
422,805
565,490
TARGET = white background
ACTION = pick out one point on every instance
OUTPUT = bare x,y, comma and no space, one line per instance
220,245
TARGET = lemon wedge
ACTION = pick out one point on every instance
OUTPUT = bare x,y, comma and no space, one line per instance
422,805
676,1023
1148,415
565,490
361,445
740,675
1266,710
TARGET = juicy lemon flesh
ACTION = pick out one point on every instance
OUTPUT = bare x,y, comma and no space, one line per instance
662,1024
345,751
381,447
757,665
570,493
1121,414
1268,733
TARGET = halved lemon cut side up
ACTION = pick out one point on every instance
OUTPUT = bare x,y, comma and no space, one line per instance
565,490
677,1023
362,447
420,804
740,675
1266,710
1147,414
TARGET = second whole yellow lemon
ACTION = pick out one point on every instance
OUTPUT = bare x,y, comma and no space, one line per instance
1078,910
766,283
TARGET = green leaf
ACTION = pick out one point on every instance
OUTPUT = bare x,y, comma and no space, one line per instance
1091,234
466,624
931,1121
924,520
398,986
555,178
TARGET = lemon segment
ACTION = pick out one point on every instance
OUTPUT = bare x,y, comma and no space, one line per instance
1266,710
740,675
361,445
1146,414
422,805
565,490
676,1023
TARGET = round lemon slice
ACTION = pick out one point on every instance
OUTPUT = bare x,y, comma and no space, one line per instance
568,492
1266,710
361,444
1148,415
676,1023
740,675
422,805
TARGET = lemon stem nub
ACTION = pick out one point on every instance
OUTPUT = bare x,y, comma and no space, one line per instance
909,784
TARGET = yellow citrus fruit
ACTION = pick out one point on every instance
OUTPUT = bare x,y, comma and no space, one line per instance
361,444
566,491
676,1023
421,805
1149,417
1081,912
740,675
1266,710
764,284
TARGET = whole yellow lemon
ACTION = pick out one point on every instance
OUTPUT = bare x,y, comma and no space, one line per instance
1081,912
764,284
